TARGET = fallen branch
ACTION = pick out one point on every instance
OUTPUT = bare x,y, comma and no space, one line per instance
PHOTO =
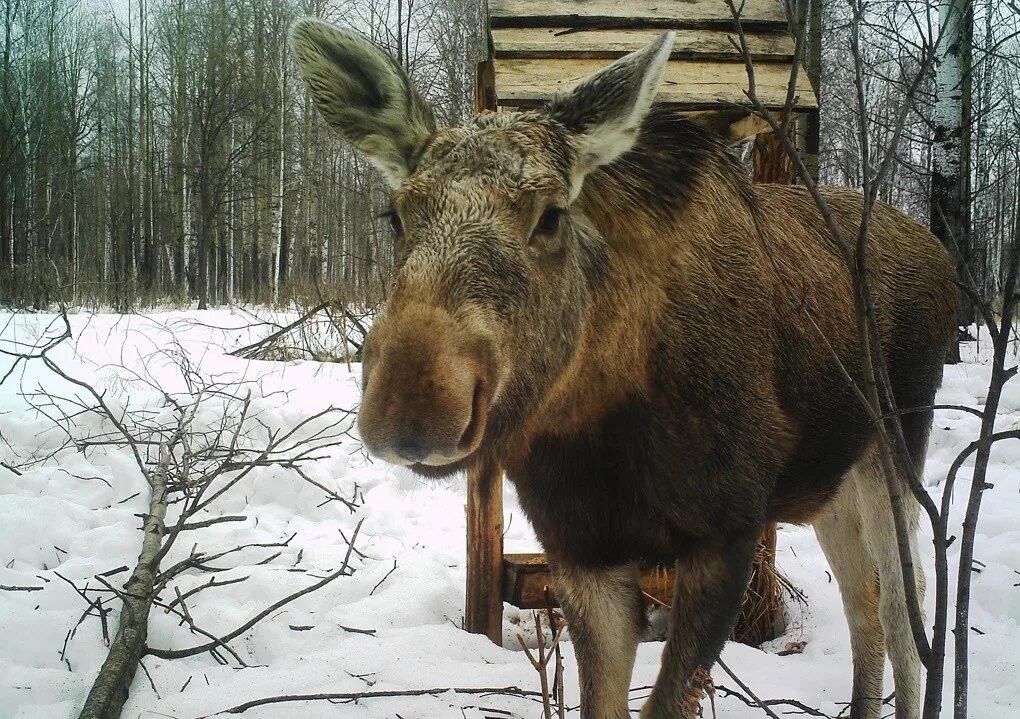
253,350
801,707
357,696
110,690
257,350
195,466
191,651
15,588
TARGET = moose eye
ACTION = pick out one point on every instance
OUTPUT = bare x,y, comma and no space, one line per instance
395,224
549,222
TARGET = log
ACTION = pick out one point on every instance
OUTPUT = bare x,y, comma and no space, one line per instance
483,611
557,42
531,82
483,596
110,689
636,13
528,583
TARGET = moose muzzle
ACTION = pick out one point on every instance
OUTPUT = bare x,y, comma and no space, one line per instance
428,382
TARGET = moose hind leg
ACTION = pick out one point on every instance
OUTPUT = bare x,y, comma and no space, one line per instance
710,584
839,532
605,615
876,515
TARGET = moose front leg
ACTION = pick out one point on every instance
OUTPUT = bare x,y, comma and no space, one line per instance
710,584
605,615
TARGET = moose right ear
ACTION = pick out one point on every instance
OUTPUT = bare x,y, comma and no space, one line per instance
605,112
364,95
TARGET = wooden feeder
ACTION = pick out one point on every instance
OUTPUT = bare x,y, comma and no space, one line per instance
539,48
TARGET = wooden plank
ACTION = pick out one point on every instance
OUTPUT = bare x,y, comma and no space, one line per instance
528,584
529,82
485,86
526,580
771,163
610,44
483,610
674,14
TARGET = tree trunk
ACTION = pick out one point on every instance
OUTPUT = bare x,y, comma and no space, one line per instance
205,228
950,151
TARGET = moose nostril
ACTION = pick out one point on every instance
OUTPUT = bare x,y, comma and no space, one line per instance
468,436
411,449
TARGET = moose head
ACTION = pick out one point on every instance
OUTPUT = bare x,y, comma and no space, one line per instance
495,255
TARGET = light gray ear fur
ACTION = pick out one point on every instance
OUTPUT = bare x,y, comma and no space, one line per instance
363,94
606,110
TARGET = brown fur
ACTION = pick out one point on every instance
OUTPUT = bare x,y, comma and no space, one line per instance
658,372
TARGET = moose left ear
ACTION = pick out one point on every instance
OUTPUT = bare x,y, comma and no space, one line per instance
364,95
606,110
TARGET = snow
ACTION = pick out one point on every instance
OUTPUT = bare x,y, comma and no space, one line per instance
75,514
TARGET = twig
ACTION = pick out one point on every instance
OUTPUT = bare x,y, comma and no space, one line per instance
210,522
191,651
755,704
358,696
541,662
758,702
379,583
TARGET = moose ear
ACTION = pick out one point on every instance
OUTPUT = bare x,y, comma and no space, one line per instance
364,95
606,110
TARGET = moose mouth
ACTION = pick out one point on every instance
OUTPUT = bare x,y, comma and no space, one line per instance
469,441
442,471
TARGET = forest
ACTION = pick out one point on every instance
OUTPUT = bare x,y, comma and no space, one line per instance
165,152
159,152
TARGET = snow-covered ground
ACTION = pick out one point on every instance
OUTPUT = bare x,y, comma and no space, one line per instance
75,513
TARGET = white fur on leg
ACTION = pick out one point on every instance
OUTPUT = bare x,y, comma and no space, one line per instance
602,608
858,536
880,538
839,533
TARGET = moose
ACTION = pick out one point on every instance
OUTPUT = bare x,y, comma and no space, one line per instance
660,354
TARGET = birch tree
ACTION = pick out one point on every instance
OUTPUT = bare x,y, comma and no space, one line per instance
949,217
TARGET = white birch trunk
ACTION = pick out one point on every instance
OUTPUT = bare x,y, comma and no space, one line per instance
948,91
186,230
73,234
949,219
230,233
276,222
277,213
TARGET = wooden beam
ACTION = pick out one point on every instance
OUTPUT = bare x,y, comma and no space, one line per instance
485,86
674,14
527,582
517,43
483,610
530,82
483,592
771,165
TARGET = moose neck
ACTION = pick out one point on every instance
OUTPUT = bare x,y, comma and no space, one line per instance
648,189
